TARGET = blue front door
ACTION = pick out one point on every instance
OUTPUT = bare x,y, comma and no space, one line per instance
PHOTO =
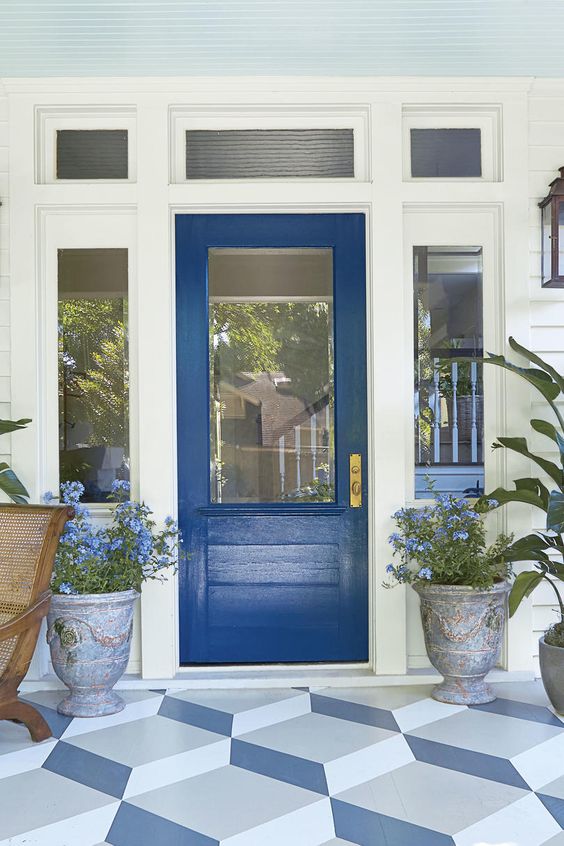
271,372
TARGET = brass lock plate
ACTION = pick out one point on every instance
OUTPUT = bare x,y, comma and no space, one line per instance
355,480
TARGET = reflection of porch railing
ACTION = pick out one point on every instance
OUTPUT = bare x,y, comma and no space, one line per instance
304,455
449,417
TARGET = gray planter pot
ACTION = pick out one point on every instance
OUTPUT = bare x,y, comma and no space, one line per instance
551,660
463,628
90,638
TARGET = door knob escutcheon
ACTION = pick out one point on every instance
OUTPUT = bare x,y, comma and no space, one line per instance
355,480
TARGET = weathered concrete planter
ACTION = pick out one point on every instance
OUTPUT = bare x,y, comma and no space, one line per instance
90,639
463,628
551,660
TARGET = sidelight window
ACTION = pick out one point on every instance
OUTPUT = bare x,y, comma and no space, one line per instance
93,369
448,387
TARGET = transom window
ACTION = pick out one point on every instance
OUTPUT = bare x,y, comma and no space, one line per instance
269,153
92,154
455,153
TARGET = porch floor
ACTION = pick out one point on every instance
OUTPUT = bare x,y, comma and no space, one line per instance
384,766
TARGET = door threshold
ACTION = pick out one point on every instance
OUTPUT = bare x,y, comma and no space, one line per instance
279,678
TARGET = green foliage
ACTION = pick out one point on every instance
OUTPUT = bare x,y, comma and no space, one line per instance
445,543
274,337
545,549
318,490
554,636
93,376
115,557
9,482
464,383
105,387
523,586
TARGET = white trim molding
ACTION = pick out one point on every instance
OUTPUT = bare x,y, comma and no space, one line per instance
50,119
44,214
487,118
265,116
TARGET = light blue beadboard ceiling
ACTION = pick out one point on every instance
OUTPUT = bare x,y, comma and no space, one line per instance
283,37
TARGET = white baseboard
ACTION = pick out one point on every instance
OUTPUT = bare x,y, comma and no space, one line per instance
276,678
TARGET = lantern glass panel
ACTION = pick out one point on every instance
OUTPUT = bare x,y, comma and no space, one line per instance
546,243
560,238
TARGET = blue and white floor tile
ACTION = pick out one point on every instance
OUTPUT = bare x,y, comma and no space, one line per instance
234,713
331,767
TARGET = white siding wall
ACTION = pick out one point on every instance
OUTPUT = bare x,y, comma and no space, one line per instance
546,155
4,275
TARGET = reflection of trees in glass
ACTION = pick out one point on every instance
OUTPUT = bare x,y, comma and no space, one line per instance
93,376
104,389
276,360
423,378
289,338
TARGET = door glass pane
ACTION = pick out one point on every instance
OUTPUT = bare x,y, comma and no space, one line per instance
448,392
93,369
271,375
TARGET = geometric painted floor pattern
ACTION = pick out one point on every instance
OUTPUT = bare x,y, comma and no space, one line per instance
377,766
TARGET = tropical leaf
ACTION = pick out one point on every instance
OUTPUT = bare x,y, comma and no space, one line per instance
530,548
538,378
503,496
12,425
540,362
536,540
11,485
555,512
520,445
560,442
545,428
536,486
523,586
555,568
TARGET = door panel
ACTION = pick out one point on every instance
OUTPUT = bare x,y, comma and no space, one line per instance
271,402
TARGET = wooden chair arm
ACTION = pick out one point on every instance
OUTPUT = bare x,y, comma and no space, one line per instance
27,618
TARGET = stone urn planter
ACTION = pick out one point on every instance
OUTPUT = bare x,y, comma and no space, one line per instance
90,637
551,660
463,627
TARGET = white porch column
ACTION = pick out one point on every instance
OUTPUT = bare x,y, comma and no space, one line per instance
156,413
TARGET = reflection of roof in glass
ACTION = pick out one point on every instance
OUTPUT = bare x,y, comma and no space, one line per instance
281,411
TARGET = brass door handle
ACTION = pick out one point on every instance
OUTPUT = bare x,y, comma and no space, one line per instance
355,480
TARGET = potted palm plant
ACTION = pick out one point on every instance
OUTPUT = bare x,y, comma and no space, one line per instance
545,549
462,585
96,581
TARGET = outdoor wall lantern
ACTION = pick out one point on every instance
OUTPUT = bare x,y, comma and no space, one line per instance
552,228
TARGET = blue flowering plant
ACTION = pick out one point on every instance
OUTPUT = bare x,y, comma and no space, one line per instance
445,543
115,557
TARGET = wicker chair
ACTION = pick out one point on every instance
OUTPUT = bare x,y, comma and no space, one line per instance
29,535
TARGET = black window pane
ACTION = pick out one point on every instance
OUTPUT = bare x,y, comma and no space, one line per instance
446,152
269,154
92,154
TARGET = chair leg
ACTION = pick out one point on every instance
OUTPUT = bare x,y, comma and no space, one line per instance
29,716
